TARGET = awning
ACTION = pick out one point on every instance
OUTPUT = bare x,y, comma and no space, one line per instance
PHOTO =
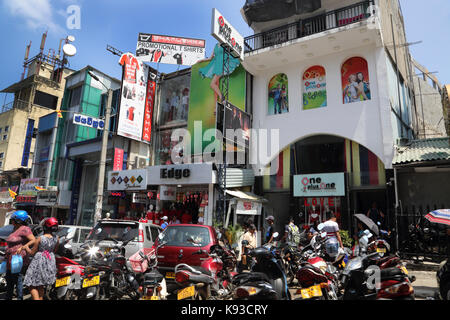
246,195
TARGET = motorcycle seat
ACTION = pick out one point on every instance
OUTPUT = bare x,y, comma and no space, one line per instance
242,278
153,277
390,273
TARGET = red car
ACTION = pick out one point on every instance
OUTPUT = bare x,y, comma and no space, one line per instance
182,244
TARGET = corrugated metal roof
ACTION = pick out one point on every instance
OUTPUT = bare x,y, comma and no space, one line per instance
423,150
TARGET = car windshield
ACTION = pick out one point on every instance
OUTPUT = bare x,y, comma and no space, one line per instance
116,231
182,236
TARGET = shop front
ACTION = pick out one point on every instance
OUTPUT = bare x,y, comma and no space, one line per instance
184,188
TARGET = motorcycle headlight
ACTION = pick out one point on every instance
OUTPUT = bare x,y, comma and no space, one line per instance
93,251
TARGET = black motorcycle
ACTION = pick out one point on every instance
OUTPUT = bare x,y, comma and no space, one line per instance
109,272
443,278
267,278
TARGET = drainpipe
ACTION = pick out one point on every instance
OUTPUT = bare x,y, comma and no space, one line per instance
396,207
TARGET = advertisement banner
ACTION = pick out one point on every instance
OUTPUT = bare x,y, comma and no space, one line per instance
314,88
278,94
319,185
118,159
355,80
27,187
205,76
235,119
27,145
5,195
88,121
169,50
148,113
133,97
224,32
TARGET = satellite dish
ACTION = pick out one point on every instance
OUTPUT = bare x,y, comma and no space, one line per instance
71,38
69,49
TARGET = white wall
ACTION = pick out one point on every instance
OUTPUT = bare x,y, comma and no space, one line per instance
367,123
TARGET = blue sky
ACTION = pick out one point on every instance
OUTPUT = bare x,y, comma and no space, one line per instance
118,23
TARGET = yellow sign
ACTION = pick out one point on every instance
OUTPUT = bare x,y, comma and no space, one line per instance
91,282
186,293
62,282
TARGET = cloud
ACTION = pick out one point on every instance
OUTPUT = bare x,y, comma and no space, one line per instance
36,13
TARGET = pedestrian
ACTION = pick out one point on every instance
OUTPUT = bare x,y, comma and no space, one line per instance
249,236
313,230
375,214
165,222
291,233
42,269
174,220
270,229
333,241
17,243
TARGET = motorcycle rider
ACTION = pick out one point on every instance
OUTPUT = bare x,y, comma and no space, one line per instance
269,234
249,236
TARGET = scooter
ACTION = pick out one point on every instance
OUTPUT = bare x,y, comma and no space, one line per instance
267,278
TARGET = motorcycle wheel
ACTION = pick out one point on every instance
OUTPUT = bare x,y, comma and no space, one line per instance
71,295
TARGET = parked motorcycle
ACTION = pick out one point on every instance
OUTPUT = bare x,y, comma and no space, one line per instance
109,272
267,278
2,275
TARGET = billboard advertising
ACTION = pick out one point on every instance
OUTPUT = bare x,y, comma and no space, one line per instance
314,88
133,97
278,94
355,80
169,50
206,77
235,119
224,32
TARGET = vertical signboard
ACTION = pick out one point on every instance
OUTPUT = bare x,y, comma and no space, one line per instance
148,113
133,97
76,184
224,32
27,145
118,159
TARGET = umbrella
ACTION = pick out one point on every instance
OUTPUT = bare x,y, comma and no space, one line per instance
6,231
368,222
439,216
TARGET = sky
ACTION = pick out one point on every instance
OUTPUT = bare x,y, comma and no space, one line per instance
118,23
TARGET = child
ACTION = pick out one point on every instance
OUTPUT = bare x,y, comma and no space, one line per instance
42,269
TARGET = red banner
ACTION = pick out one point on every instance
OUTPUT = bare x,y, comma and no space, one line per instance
149,103
118,159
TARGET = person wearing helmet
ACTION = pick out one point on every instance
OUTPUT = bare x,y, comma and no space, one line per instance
42,269
165,222
19,242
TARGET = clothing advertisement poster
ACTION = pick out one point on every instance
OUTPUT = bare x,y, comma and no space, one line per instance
169,50
278,94
314,88
133,97
355,80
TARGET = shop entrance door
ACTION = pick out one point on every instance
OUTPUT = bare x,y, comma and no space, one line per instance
363,201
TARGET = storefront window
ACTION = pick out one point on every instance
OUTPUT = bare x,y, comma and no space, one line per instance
174,100
164,147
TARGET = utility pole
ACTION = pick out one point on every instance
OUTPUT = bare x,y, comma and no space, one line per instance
102,165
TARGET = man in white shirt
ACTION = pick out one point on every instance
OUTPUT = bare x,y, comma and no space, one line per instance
333,236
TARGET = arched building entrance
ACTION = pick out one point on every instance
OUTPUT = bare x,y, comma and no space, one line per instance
324,173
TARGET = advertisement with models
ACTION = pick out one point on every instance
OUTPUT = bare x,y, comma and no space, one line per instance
133,97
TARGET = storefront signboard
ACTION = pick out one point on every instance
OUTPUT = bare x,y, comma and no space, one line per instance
319,185
47,198
170,50
167,193
118,159
28,187
88,121
248,207
226,34
127,180
139,198
183,174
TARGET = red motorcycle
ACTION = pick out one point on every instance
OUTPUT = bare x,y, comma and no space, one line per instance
211,280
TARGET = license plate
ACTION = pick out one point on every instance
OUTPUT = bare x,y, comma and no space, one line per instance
94,281
107,250
186,293
314,291
150,298
381,250
62,282
404,270
170,275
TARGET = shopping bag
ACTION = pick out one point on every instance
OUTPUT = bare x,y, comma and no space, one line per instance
16,263
3,267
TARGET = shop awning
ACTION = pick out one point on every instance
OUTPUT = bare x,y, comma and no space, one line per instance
246,195
423,151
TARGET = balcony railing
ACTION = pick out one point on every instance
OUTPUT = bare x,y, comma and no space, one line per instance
306,27
16,104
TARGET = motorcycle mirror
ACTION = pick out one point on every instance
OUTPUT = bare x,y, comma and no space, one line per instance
67,246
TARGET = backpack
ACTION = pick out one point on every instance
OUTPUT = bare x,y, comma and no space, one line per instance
294,234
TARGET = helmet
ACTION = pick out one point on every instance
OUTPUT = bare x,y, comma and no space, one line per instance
20,215
51,222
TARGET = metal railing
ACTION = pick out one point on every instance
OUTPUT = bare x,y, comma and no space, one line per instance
16,104
306,27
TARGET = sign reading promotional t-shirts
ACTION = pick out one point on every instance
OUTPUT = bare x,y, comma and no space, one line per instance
169,50
224,32
133,97
319,185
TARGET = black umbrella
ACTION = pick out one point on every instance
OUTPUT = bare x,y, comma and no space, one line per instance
6,231
368,222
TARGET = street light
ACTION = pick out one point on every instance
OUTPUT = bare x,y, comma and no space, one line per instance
101,170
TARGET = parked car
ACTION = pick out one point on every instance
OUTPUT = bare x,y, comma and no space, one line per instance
109,232
78,235
182,243
443,279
